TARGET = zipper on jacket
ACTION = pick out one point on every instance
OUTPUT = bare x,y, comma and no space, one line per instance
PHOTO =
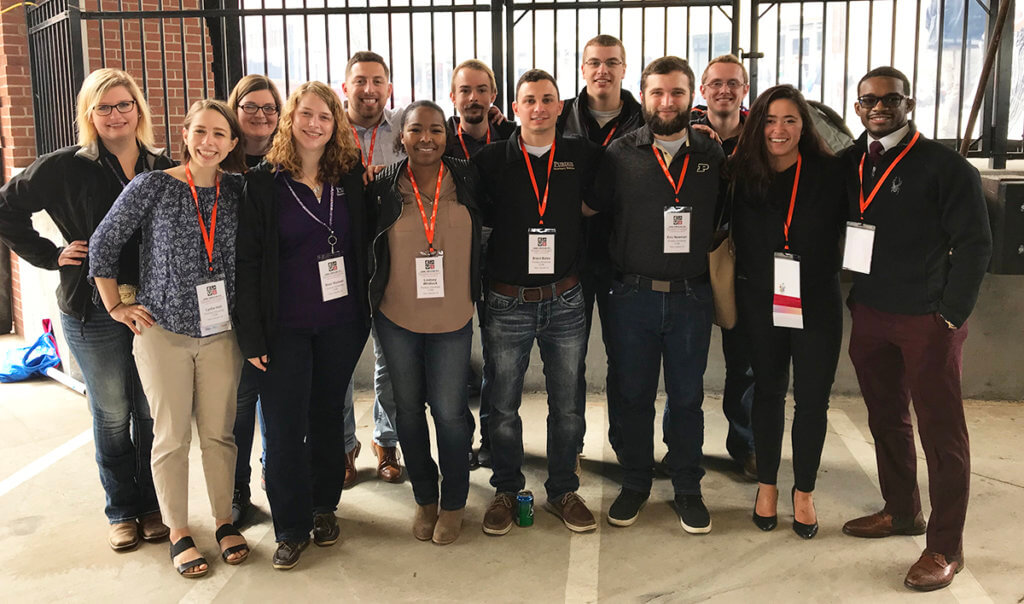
373,248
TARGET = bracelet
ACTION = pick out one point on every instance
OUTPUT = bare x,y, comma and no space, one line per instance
111,309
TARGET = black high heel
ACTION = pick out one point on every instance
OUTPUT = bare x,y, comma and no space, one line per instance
765,523
806,531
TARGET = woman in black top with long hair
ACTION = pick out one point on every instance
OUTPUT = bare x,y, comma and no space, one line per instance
788,213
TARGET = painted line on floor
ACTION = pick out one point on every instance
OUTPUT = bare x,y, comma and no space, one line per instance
585,548
38,466
965,587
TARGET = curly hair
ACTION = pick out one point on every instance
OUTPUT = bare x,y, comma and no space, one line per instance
340,153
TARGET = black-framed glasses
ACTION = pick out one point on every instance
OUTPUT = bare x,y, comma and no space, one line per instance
893,99
251,108
122,107
610,63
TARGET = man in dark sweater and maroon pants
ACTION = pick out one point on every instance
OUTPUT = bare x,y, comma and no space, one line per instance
918,242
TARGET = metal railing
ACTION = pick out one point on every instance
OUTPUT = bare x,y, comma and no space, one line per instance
821,47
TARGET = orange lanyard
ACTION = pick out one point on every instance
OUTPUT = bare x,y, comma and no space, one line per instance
608,138
428,228
207,236
792,197
542,204
373,141
860,173
664,168
463,143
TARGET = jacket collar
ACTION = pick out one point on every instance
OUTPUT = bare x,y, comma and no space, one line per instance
91,152
862,141
696,142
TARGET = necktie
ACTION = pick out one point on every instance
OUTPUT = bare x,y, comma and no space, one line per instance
875,152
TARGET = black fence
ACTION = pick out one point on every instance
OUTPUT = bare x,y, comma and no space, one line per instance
821,47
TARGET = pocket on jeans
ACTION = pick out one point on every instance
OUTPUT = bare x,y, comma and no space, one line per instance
500,303
572,298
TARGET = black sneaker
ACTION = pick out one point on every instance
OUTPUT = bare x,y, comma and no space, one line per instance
483,457
287,554
626,507
693,514
241,506
325,529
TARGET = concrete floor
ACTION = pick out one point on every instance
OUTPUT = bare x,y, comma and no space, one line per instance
53,532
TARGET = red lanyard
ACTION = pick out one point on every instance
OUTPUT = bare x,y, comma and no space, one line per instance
428,228
463,143
792,197
664,168
608,138
542,204
373,141
207,236
864,204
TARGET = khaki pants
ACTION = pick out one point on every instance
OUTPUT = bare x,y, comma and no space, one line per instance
185,376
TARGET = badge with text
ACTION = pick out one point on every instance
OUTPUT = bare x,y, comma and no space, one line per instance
677,229
860,241
786,308
333,280
213,308
540,249
430,275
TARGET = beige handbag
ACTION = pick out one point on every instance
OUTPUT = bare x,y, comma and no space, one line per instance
722,270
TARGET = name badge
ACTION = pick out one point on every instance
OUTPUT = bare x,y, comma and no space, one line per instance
430,275
540,249
677,229
860,241
333,280
213,308
787,310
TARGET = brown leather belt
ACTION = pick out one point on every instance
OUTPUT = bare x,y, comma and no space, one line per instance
535,294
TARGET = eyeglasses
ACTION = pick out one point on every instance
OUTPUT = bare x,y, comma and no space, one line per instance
610,63
122,107
890,100
252,108
719,84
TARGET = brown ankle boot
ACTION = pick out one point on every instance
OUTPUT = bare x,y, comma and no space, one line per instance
448,527
423,522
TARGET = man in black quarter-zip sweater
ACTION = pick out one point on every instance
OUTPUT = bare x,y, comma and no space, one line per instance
919,242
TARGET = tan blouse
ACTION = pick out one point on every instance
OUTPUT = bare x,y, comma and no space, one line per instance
407,240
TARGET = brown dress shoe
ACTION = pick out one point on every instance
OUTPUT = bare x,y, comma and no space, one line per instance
499,515
884,524
424,521
448,527
388,468
152,527
350,465
932,571
123,536
573,512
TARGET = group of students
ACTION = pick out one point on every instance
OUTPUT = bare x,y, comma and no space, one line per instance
293,230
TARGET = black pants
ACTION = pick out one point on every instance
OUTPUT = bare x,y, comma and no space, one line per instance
303,398
814,352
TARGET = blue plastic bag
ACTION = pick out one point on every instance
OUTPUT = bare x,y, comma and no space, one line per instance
19,364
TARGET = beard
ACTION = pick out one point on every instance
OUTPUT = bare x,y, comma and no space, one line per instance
473,118
665,128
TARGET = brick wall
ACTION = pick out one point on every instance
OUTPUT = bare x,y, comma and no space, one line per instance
17,133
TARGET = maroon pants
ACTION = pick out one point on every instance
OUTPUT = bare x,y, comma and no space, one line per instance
904,357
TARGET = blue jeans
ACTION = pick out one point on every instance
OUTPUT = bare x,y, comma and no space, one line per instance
431,368
649,329
249,410
303,404
121,424
559,327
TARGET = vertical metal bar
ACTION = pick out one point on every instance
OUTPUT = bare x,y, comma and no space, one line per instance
938,67
800,52
711,33
510,53
821,68
412,64
391,43
664,34
348,34
643,33
554,43
735,20
124,54
1000,87
578,51
778,42
533,37
963,69
917,50
755,20
688,38
892,35
142,53
163,74
206,63
184,63
305,32
103,50
497,60
621,15
846,63
245,43
287,70
266,59
433,55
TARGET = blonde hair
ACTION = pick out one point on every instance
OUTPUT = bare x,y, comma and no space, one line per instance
97,84
235,159
340,153
728,59
477,65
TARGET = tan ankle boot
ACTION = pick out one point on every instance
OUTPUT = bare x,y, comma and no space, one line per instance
423,522
448,527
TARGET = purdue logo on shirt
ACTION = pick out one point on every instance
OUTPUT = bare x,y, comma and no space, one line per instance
703,168
563,165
